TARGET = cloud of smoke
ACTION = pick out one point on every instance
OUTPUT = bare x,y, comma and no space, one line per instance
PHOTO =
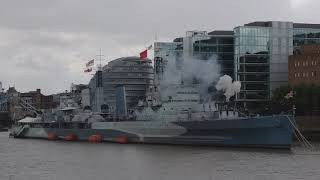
191,71
229,88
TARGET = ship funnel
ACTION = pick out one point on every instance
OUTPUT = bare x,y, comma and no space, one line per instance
121,102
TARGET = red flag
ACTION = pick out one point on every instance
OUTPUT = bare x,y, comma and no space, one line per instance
144,54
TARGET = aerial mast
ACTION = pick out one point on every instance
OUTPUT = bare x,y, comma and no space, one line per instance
100,55
99,85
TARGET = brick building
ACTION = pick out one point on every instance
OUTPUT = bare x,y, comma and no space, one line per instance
38,100
304,66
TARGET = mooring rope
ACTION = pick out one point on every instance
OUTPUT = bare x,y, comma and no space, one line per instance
300,136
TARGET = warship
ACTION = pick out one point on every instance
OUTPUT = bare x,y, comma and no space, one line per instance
171,113
180,119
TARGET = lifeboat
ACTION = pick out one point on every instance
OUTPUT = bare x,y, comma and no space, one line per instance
122,139
71,137
52,136
97,138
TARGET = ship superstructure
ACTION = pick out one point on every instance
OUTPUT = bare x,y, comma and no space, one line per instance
180,119
172,113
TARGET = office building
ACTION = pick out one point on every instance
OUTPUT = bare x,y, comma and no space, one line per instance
165,53
200,45
261,56
218,45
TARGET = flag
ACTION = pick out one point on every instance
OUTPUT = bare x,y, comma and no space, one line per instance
90,63
144,54
88,70
150,47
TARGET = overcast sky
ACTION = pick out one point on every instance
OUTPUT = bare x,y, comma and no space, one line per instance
45,43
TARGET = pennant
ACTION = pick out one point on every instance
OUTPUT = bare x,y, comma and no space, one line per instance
144,54
90,63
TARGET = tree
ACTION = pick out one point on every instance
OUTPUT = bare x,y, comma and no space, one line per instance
306,99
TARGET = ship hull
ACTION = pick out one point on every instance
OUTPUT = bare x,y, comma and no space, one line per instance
269,132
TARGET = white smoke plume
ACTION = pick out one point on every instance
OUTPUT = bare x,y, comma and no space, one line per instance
205,71
229,88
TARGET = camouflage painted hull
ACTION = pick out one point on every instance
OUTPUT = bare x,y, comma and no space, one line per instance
271,132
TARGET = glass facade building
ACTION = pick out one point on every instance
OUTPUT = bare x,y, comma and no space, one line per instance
195,46
169,52
303,34
219,45
252,58
200,45
261,52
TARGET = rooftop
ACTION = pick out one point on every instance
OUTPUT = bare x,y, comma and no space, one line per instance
179,39
260,23
221,32
295,25
303,25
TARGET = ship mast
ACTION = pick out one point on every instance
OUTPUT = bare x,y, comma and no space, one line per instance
100,55
99,84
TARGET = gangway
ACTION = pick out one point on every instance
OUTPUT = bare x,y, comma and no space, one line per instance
21,131
29,107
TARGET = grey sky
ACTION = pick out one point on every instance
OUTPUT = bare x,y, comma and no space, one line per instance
44,44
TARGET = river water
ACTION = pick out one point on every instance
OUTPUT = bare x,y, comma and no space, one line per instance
30,159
